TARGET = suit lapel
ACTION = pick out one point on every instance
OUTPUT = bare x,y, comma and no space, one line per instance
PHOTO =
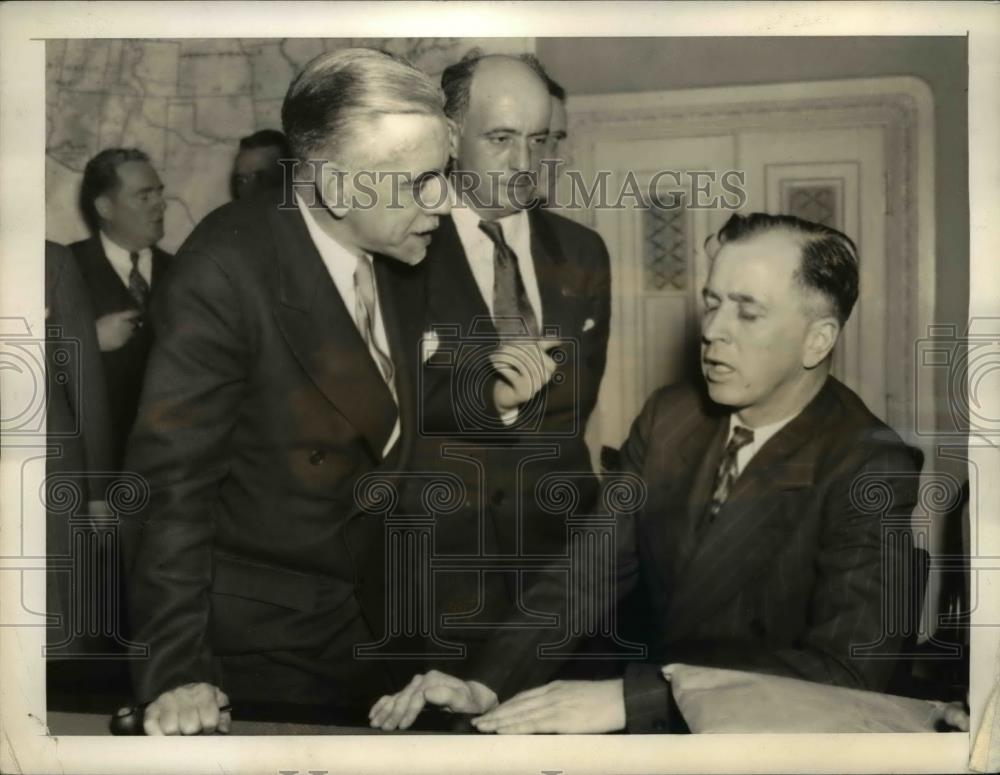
110,294
753,521
680,477
322,334
453,295
161,261
551,273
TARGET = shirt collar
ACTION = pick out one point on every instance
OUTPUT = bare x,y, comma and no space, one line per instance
762,433
116,254
337,258
466,220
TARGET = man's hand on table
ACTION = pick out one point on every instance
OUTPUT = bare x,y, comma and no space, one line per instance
400,710
567,707
190,709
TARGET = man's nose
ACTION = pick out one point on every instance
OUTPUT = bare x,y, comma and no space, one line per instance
715,326
521,155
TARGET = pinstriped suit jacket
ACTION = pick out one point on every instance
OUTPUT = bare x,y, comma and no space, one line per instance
791,576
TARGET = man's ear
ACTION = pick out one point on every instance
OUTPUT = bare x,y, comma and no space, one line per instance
821,336
104,207
334,187
454,132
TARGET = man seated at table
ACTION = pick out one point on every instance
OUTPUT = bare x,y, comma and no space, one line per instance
760,543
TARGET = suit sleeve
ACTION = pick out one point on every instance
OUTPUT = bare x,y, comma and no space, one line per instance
511,661
70,307
193,388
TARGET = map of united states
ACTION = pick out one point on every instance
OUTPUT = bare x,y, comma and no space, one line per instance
186,103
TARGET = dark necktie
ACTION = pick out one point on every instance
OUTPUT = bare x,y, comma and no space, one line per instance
725,477
138,288
364,313
512,313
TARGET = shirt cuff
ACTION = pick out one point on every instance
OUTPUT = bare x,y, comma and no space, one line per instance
649,704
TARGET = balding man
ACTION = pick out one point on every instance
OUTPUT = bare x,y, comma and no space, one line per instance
281,376
527,291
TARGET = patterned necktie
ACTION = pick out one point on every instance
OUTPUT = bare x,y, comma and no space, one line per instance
364,314
726,475
512,312
138,288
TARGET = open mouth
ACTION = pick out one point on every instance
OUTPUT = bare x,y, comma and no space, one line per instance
716,370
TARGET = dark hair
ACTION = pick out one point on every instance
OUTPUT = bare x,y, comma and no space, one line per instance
829,257
456,80
342,88
267,138
555,90
101,176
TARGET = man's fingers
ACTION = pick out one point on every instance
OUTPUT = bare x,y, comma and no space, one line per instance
189,719
151,721
206,718
129,314
547,344
517,708
225,722
378,707
529,722
400,703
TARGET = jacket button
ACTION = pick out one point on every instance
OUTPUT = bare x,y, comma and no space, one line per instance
497,498
317,456
659,725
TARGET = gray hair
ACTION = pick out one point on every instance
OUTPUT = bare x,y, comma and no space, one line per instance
339,90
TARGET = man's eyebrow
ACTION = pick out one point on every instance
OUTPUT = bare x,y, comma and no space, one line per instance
501,130
744,298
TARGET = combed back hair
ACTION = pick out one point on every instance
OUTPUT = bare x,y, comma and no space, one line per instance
267,138
342,89
100,176
829,257
456,80
555,90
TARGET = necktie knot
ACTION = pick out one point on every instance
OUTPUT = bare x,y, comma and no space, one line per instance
741,437
138,288
494,231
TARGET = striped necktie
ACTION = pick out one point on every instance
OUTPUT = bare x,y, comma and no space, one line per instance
725,477
138,288
364,313
512,312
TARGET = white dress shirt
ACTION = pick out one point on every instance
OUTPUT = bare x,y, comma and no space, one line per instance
479,252
121,262
760,438
341,263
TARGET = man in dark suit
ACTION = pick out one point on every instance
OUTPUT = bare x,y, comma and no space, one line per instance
121,199
526,292
283,372
761,544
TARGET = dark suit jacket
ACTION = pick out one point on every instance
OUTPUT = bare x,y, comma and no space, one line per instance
77,416
573,274
262,409
792,573
123,368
